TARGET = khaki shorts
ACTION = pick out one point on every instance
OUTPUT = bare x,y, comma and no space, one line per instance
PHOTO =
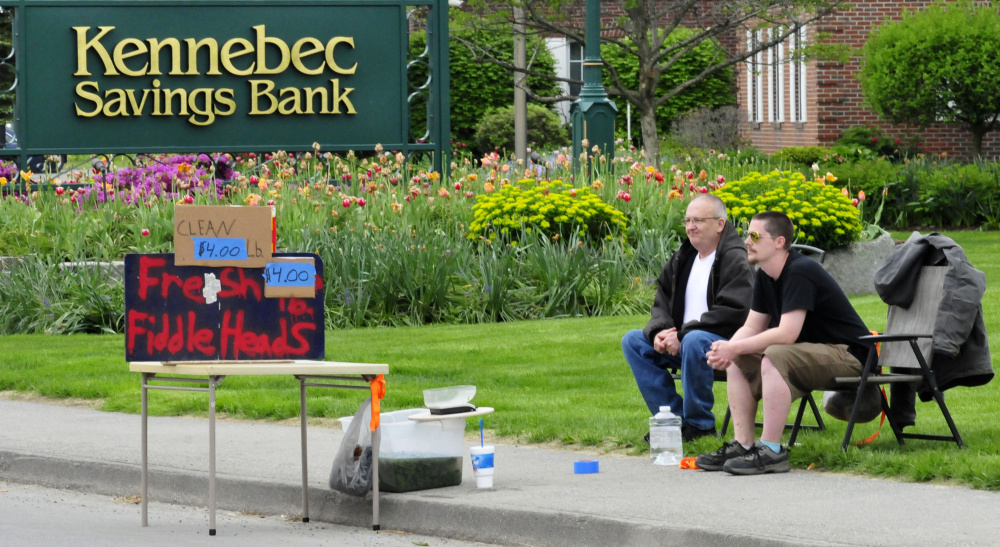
805,367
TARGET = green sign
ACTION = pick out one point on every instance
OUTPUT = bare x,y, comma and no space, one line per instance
182,76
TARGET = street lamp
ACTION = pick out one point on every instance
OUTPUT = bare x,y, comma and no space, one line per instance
593,114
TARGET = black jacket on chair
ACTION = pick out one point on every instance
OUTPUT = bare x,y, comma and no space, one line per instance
961,348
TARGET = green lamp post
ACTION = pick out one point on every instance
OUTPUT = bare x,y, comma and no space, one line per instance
593,113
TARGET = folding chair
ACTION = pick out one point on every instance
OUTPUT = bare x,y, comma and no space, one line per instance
906,354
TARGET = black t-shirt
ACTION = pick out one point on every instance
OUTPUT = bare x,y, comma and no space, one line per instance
805,285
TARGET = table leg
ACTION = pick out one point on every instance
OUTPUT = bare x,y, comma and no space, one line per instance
376,440
145,463
305,452
211,455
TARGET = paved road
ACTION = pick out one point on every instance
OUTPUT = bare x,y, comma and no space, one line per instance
33,515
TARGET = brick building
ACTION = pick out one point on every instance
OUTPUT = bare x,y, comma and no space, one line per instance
811,103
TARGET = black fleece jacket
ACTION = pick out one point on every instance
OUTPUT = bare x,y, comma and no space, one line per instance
730,289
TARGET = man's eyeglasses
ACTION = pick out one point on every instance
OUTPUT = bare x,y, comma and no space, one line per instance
697,220
755,236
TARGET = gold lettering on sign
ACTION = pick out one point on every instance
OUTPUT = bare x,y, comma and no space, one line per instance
153,58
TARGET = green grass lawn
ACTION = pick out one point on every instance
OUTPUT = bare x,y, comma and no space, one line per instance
563,381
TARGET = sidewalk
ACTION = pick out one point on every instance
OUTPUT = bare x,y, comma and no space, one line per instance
537,499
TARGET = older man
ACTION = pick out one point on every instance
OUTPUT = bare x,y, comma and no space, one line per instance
702,296
801,333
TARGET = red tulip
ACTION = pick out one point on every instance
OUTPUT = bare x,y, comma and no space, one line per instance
145,232
188,199
361,202
60,190
347,202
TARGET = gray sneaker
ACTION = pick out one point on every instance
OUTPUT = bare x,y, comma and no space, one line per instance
759,460
716,460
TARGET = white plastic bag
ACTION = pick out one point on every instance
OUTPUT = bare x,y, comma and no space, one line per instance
352,467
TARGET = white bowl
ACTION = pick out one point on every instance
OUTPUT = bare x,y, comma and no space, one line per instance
448,397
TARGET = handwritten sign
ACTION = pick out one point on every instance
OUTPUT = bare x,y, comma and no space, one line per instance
200,233
197,313
288,274
219,248
287,277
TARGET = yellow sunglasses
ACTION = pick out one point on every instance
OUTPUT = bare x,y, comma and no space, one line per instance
755,236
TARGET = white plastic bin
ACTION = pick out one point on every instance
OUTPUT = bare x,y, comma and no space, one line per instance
418,455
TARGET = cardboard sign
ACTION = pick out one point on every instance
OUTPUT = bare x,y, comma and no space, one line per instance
222,235
199,313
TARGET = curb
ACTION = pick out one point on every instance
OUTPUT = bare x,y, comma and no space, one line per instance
423,513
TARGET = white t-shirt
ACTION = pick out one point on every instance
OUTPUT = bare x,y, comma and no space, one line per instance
696,295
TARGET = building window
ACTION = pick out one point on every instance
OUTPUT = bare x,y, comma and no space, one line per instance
575,67
755,78
775,80
797,76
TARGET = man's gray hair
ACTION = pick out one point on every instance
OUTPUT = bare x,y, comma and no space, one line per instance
717,204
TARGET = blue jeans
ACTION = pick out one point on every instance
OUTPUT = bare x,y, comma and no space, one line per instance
657,386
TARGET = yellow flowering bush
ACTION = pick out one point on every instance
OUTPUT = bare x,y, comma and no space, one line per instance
823,215
554,207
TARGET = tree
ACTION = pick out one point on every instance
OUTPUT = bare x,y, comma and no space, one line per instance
476,87
642,31
714,91
941,64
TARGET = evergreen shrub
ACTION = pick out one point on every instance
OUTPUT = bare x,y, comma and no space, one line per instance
803,155
495,132
476,86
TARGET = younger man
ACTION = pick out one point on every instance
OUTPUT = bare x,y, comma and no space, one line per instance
801,333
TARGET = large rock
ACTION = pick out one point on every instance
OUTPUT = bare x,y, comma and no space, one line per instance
854,266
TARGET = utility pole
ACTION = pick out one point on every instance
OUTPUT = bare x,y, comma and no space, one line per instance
593,113
520,96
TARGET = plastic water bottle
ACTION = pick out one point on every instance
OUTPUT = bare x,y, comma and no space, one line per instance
665,446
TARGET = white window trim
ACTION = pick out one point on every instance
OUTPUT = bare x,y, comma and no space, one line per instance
775,79
798,40
755,79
